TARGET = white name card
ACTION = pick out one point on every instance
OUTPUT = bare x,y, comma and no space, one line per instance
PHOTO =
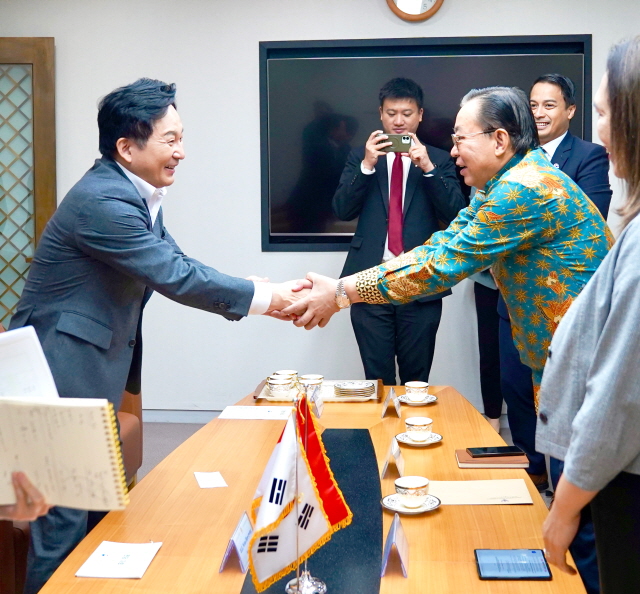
396,540
239,544
391,397
119,560
394,456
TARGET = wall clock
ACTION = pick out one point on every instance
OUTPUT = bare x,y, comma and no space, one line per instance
415,10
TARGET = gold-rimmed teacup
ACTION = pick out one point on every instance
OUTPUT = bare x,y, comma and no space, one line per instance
412,490
416,391
418,428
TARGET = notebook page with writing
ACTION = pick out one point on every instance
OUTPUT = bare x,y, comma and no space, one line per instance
69,449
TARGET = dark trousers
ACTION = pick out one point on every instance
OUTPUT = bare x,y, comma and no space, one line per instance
489,348
616,517
583,547
517,391
53,537
407,332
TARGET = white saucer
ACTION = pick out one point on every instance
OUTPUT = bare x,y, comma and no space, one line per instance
405,439
427,400
392,503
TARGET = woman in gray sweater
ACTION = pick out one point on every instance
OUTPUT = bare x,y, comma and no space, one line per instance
589,414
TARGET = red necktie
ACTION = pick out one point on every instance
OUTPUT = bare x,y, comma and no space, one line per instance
395,208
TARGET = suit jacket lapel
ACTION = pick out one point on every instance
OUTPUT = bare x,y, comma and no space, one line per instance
116,168
157,227
415,173
383,180
563,151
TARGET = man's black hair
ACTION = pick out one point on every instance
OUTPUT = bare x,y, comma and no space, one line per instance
565,84
507,108
131,111
402,88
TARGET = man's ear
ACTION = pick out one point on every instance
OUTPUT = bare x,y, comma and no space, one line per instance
502,142
380,108
123,149
572,111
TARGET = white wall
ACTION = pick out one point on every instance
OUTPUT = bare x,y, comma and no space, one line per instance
194,360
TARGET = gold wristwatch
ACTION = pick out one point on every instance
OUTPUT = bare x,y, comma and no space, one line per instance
342,300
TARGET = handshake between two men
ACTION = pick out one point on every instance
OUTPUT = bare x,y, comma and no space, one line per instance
311,301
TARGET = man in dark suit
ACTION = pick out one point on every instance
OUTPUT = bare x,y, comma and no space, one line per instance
552,100
399,199
102,254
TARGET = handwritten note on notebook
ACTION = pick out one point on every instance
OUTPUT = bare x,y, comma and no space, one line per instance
119,560
492,492
69,449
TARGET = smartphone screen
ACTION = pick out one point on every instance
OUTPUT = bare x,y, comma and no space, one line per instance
512,564
494,451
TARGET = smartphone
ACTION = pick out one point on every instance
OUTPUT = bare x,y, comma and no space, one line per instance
512,564
494,451
401,143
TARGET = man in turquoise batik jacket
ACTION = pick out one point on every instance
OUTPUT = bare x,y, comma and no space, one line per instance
529,222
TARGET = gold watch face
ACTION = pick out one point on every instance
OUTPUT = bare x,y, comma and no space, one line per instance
342,301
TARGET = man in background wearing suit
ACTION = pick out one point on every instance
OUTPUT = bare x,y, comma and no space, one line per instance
552,100
102,254
399,197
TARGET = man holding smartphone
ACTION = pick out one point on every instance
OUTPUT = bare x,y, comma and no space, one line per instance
399,197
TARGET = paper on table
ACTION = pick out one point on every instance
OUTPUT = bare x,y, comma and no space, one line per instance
119,560
24,372
496,492
209,480
267,413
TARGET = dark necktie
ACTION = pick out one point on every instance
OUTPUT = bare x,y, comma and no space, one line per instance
395,208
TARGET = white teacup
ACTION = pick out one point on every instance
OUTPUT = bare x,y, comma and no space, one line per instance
418,428
312,376
279,386
416,391
412,490
311,379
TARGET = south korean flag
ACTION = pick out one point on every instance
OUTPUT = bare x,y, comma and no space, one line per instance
286,527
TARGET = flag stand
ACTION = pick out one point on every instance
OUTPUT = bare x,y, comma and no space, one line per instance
303,583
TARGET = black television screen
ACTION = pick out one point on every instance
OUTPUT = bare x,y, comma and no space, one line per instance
320,99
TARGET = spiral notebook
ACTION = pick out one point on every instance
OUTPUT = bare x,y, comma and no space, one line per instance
68,447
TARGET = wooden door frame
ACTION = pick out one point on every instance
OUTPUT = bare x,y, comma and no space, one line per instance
39,52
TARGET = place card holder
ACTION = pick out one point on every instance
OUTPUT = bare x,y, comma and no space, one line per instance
391,397
394,456
317,402
239,544
396,540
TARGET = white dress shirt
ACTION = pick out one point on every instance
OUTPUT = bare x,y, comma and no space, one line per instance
551,146
406,164
152,196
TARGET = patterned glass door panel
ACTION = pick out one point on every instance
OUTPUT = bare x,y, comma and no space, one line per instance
17,228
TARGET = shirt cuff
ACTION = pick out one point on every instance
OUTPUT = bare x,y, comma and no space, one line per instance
261,301
431,173
365,170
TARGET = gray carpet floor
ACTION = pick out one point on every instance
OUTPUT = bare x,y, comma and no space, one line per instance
160,439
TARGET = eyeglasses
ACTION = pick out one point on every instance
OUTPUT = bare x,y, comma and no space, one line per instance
457,138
